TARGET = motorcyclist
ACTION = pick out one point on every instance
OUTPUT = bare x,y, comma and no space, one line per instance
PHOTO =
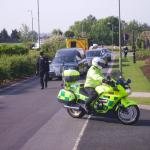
93,79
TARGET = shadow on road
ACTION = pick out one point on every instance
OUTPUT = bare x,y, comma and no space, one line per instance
143,123
105,119
112,119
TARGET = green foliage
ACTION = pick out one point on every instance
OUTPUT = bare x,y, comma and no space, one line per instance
69,34
16,66
12,49
4,37
57,32
142,54
101,31
134,72
52,44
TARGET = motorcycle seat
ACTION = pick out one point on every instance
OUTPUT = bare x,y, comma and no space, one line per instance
83,91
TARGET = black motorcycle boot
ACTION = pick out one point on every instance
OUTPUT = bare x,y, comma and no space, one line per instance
86,108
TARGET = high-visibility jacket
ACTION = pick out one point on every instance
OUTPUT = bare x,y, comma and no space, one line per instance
94,77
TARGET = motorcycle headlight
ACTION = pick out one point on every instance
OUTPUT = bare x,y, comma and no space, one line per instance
128,91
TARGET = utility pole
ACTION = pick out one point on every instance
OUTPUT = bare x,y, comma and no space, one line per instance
112,34
133,48
120,58
112,37
38,22
31,22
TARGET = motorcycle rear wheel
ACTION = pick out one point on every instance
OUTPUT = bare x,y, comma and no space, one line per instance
128,115
76,113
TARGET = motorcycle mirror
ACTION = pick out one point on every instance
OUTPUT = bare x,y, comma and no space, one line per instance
129,81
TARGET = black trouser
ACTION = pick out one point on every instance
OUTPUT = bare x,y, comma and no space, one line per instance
92,95
43,78
125,54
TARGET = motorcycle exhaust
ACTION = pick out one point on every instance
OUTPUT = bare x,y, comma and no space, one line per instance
72,107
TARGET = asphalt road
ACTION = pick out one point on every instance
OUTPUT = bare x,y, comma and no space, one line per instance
32,119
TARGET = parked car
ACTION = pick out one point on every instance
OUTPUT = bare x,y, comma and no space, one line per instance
90,54
106,53
70,51
67,60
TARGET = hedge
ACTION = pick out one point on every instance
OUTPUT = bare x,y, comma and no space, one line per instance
14,67
13,49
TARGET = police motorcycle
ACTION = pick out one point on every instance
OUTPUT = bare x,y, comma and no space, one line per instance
113,98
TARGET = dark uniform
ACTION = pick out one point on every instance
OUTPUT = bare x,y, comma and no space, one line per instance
125,51
42,68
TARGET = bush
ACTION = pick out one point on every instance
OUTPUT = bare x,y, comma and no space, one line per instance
142,54
14,67
13,49
52,44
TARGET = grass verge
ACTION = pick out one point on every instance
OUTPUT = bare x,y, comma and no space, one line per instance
133,71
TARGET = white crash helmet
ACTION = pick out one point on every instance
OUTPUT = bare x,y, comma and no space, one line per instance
98,62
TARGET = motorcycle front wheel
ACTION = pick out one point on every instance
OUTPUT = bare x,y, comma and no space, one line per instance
76,113
128,115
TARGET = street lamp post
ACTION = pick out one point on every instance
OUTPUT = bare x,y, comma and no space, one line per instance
31,22
31,19
112,35
120,58
38,22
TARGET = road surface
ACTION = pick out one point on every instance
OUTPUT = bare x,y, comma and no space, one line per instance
32,119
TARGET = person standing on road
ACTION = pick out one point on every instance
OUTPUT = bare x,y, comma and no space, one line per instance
42,69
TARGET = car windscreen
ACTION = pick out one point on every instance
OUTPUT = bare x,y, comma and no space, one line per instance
64,59
67,53
93,54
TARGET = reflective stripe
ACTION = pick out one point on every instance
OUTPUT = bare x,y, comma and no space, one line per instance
94,77
66,95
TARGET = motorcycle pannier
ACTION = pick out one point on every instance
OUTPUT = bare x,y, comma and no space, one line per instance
71,75
66,97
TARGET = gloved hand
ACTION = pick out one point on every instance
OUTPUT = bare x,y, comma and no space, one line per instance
104,81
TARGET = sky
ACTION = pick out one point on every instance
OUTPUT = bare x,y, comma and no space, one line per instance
61,14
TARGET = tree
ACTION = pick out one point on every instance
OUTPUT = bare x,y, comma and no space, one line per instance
4,37
52,44
25,33
69,34
83,28
33,36
15,36
57,32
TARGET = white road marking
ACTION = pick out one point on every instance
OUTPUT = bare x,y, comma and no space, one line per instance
59,133
86,122
81,133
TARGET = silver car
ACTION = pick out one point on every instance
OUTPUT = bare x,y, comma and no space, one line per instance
61,63
90,54
106,53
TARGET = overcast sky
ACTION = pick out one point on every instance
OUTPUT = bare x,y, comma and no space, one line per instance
61,14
